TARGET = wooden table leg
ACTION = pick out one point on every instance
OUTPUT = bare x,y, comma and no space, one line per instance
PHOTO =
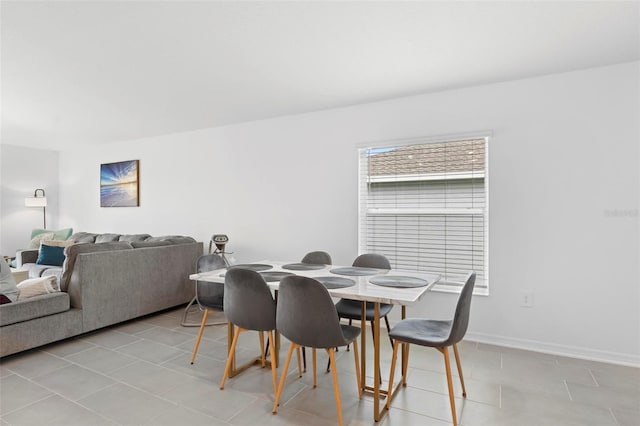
376,390
376,361
363,345
234,370
404,315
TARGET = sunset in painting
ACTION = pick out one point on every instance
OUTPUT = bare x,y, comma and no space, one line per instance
119,184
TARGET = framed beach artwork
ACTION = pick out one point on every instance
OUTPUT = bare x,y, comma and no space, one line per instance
119,184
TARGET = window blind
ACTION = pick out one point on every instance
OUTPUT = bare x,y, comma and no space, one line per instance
425,205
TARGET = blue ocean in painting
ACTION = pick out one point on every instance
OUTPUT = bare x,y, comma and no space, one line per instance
123,195
119,184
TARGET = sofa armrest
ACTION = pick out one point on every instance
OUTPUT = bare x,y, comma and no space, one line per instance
26,256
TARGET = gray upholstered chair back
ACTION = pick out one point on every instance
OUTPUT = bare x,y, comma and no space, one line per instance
210,295
461,317
248,302
317,258
306,314
372,260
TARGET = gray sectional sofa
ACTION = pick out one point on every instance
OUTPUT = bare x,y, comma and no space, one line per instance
105,279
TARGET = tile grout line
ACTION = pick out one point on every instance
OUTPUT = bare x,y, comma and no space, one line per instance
58,394
115,380
615,419
566,386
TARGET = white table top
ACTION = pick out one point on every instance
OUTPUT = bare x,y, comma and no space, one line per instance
362,290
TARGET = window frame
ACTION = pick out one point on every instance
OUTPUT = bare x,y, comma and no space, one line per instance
487,135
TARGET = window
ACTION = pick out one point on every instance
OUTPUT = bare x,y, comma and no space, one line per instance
424,205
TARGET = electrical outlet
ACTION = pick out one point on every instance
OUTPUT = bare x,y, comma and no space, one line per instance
526,299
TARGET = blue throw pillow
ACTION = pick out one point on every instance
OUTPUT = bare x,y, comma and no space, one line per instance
50,255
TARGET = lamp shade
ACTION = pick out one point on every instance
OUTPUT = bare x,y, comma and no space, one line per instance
35,202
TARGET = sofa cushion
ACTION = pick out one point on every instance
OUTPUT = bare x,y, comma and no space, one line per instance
143,244
37,287
35,307
35,270
134,237
73,251
84,237
173,239
107,238
50,255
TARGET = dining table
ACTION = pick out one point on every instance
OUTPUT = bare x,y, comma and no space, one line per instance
391,286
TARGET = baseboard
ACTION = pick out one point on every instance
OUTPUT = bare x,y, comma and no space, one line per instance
554,349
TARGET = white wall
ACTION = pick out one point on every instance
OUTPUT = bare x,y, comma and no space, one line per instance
22,170
564,189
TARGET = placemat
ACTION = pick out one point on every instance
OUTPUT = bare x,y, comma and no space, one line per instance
336,282
303,266
354,270
252,267
271,276
398,281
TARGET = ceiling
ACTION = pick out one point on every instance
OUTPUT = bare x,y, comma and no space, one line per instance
96,72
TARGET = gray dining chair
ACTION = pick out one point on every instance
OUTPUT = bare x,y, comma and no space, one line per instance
249,305
317,258
438,334
351,309
208,295
307,317
314,258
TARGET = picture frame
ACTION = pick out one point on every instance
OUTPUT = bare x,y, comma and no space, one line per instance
120,184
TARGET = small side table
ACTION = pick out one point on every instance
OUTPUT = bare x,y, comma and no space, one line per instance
19,275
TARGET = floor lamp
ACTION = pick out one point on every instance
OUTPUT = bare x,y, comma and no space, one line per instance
38,201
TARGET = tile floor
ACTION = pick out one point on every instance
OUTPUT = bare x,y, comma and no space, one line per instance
139,373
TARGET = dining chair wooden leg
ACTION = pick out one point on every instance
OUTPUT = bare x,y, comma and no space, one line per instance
313,354
455,351
232,350
386,321
202,325
262,351
283,377
304,360
447,366
396,345
355,354
373,335
350,321
336,387
405,364
274,374
299,361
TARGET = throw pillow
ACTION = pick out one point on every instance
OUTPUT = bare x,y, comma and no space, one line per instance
7,282
58,243
50,255
37,287
60,234
36,240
